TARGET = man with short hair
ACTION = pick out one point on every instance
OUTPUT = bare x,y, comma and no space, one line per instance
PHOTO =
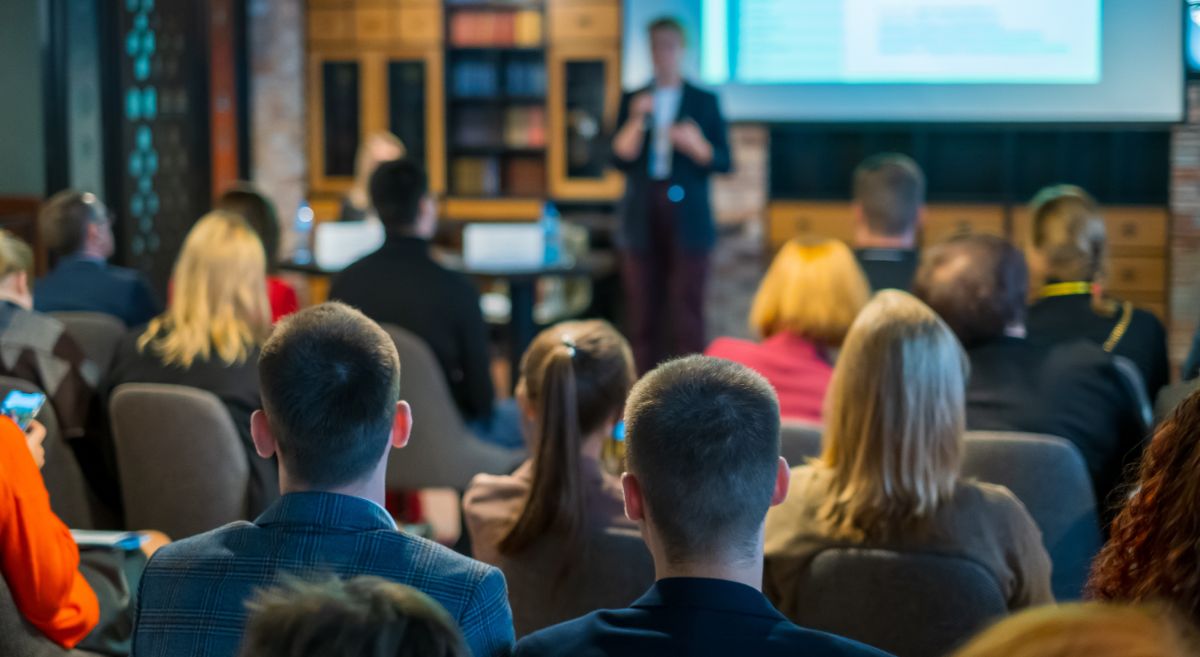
979,285
330,382
889,206
703,468
402,284
76,228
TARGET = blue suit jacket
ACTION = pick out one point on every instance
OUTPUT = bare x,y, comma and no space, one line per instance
193,593
94,286
690,617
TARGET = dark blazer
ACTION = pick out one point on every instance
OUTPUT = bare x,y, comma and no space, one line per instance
697,228
193,593
1070,390
401,284
91,285
689,617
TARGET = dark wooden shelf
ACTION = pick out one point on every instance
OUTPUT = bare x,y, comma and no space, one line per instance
495,5
495,151
497,100
495,50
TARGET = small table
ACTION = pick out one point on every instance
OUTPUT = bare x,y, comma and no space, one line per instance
521,289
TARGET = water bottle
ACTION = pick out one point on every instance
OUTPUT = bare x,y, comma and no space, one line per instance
303,229
551,234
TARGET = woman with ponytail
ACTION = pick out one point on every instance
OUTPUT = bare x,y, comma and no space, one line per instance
574,380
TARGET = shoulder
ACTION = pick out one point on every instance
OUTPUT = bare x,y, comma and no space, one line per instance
813,642
994,503
731,348
1148,323
569,638
485,488
124,275
192,552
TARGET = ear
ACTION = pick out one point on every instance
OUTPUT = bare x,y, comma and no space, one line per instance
783,478
402,425
528,412
922,214
260,433
635,508
856,211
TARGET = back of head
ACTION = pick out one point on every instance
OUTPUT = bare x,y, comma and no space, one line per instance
1086,630
397,188
361,617
1068,233
63,220
894,419
977,283
1151,553
575,376
218,304
15,255
702,439
814,289
330,380
381,146
890,188
246,201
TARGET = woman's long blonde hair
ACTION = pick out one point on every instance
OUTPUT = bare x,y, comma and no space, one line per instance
895,419
367,160
218,300
814,289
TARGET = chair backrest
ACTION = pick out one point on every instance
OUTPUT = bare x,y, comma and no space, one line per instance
20,639
615,570
910,604
97,334
799,441
1049,477
70,496
1135,384
1171,396
182,467
442,451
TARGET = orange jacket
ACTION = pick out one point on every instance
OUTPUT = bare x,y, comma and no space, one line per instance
38,557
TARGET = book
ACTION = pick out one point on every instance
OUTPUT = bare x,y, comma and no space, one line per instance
116,540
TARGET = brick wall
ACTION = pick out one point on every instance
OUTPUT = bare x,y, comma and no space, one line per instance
1185,230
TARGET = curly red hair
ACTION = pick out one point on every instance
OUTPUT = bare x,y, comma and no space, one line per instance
1154,550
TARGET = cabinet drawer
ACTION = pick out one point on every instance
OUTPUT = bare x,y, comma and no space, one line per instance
1133,227
789,220
574,22
418,24
945,221
330,25
373,24
1136,274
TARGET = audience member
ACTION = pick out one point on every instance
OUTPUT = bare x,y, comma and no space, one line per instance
1086,630
209,337
889,476
704,466
1152,553
803,308
361,617
77,229
330,381
35,347
889,205
979,284
1069,258
245,200
377,148
439,306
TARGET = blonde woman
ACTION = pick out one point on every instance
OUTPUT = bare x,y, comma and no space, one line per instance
210,334
1069,258
889,475
378,147
802,311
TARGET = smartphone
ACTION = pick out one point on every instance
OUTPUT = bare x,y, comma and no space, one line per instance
22,407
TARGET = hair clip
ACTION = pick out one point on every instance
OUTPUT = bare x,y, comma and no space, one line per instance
569,343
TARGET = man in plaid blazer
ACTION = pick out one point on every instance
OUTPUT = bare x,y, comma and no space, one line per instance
330,381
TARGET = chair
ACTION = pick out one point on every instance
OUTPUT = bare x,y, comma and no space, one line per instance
1135,384
70,496
97,334
614,571
442,451
20,639
182,466
910,604
1171,396
799,441
1049,477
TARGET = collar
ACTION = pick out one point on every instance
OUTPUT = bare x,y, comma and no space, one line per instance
711,594
1066,289
80,258
887,254
326,510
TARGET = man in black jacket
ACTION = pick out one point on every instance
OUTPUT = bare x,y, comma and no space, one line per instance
670,138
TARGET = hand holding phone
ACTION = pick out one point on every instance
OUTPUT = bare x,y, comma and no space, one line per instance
35,436
22,407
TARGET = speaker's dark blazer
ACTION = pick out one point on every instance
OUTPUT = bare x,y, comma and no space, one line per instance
696,229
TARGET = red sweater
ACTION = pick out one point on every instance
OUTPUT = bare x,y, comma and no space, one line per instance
797,369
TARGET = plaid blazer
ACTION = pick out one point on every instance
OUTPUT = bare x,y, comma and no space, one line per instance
193,593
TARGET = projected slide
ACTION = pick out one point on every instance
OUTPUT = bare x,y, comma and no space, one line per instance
900,41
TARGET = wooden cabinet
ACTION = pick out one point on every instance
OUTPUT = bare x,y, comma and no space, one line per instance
791,219
582,21
945,221
583,93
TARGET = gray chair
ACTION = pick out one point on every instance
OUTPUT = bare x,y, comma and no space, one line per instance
182,466
97,334
70,496
20,639
799,442
1171,396
1049,477
911,604
613,571
1135,384
442,451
